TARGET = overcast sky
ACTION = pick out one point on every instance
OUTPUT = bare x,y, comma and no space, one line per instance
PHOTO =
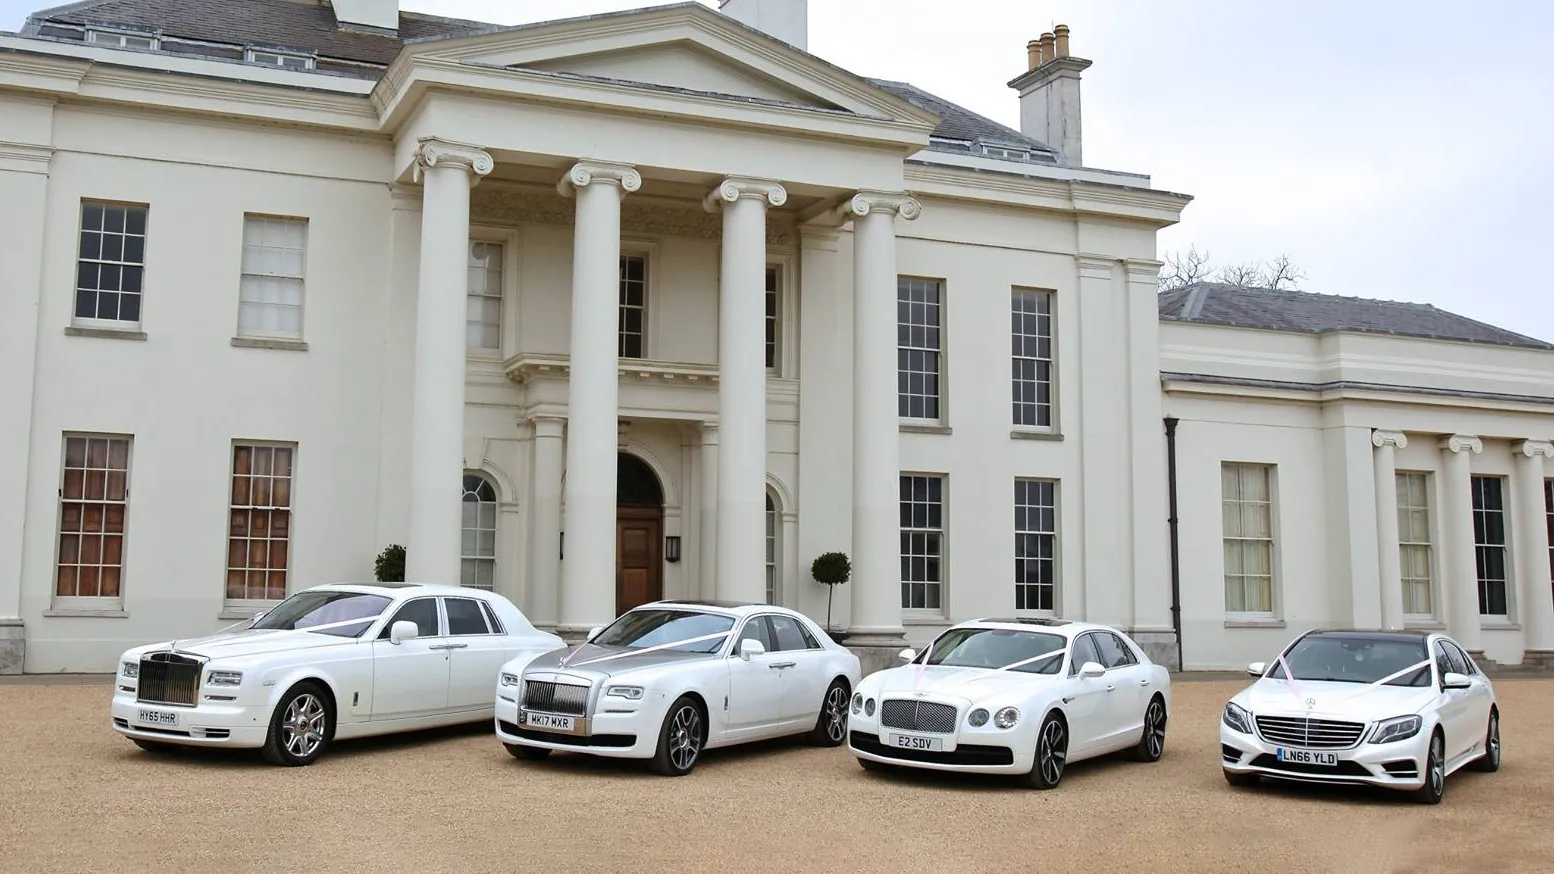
1396,149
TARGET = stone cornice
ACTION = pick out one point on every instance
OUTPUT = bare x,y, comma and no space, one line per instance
1143,270
504,203
585,173
1092,266
1214,385
1535,448
1462,443
892,203
730,190
1395,439
25,158
434,152
1066,67
1156,208
524,369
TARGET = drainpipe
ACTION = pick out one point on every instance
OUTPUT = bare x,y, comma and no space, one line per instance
1176,565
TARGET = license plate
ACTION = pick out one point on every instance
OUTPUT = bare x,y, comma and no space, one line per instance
1307,757
916,742
548,721
158,717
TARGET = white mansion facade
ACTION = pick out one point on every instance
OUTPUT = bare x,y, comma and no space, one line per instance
656,304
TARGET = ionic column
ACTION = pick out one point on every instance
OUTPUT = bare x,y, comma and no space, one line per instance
876,560
593,389
545,517
707,467
1460,582
447,171
1530,535
1389,558
741,529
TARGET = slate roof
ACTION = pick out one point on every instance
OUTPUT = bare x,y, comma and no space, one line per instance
1213,303
221,29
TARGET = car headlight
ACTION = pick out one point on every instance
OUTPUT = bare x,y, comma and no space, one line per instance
225,678
130,669
857,702
1237,718
1007,717
868,707
1396,729
978,718
630,693
509,679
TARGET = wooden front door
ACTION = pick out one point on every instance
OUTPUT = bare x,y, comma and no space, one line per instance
639,559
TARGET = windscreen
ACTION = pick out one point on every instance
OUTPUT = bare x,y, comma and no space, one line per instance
1349,659
1031,652
685,630
342,614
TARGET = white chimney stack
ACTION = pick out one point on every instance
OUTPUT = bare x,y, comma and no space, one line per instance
380,14
1049,95
787,20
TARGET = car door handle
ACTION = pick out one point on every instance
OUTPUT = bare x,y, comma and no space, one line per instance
1110,687
448,646
1144,682
776,665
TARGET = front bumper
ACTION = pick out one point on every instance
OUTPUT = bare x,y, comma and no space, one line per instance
612,731
985,750
1395,765
208,724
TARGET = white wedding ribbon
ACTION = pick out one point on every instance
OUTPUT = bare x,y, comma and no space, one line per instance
1045,655
1294,684
645,650
923,665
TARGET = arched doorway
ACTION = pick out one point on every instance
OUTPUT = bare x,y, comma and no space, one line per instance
639,534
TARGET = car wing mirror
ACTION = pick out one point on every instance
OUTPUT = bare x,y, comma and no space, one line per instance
907,655
1091,670
402,631
1256,668
594,632
257,616
750,647
1454,680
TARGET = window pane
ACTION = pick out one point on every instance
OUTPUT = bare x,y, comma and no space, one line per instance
921,541
270,291
1035,568
1247,520
477,535
94,502
259,534
918,337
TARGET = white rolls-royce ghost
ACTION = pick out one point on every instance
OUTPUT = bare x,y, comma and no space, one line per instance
669,679
334,661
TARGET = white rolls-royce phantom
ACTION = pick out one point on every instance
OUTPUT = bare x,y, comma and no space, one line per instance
667,680
334,661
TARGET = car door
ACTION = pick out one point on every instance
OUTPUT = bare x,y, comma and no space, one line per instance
1125,717
410,679
1454,709
476,653
1086,702
1477,699
804,684
755,685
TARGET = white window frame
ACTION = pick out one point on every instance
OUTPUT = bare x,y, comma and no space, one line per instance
787,316
773,548
93,322
510,239
941,369
245,274
121,39
1055,534
468,559
277,58
1548,508
1406,544
1270,472
649,258
1052,361
79,604
241,606
1505,547
938,613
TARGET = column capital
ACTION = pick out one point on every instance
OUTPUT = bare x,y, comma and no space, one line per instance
548,426
1143,269
1092,266
434,152
733,188
709,433
1462,443
1395,439
897,203
585,173
1535,448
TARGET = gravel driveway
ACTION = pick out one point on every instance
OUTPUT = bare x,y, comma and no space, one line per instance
77,797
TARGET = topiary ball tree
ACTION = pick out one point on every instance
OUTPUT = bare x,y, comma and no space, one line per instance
390,564
831,569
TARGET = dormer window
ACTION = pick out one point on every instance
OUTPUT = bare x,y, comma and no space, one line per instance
1006,152
284,60
120,39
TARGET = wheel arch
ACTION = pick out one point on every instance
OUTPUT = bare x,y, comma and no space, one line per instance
314,678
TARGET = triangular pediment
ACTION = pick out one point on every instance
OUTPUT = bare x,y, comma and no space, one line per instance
685,47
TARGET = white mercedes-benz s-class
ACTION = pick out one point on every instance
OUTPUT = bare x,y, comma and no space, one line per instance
669,679
334,661
1013,696
1398,709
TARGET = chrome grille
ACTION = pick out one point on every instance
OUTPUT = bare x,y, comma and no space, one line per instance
169,678
1316,734
917,715
555,697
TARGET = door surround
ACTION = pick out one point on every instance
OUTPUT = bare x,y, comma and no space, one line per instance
639,533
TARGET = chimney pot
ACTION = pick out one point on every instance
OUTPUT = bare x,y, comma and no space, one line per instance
1048,50
1032,55
1061,34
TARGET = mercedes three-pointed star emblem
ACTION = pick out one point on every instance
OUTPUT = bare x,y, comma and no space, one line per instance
1310,703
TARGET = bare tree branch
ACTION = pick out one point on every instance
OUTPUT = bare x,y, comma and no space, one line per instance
1183,269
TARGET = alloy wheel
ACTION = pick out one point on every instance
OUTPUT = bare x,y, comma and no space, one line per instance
685,737
1437,766
302,730
836,713
1154,729
1052,751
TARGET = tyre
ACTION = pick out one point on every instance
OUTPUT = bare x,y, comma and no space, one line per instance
1051,752
301,727
533,754
1489,762
1242,781
1435,773
680,740
1152,739
831,725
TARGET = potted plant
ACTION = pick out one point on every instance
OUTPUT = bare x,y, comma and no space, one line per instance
390,564
831,569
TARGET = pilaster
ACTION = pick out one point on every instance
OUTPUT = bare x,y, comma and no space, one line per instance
707,471
544,550
825,413
1103,429
1530,536
1150,560
1461,570
1388,554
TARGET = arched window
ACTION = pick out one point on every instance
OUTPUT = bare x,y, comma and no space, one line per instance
477,548
771,549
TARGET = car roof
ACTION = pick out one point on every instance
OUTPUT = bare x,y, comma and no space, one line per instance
713,605
1372,633
401,590
1065,627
